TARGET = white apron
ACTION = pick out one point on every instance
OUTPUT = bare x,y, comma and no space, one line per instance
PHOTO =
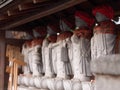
104,44
37,65
81,58
26,68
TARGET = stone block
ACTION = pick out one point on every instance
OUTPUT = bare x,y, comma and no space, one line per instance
107,82
109,64
107,72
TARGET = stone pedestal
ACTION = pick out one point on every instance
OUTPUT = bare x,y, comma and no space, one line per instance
87,85
28,88
107,72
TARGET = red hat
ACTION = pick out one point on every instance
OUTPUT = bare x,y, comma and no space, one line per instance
105,10
84,16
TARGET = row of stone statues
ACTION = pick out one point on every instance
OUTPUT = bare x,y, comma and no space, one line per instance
62,62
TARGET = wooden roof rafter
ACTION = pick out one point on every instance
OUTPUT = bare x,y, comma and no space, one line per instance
53,8
39,1
3,17
23,9
34,10
34,4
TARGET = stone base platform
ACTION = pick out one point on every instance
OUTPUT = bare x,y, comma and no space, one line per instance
107,72
88,86
28,88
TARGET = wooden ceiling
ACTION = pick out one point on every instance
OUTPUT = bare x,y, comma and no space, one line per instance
26,14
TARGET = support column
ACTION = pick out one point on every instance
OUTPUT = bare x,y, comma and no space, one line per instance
107,72
2,59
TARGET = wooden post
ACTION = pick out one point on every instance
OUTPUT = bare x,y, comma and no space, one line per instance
10,83
2,59
15,75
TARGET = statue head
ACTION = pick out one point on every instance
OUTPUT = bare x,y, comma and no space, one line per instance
83,19
80,22
103,13
52,30
66,25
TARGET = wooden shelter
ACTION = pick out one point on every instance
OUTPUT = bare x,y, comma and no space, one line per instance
24,15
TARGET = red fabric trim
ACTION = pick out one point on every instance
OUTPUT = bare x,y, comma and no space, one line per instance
37,41
64,35
105,27
52,38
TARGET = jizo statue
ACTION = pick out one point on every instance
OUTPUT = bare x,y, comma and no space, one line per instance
81,58
104,39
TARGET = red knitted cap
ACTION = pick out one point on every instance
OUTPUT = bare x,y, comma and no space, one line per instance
84,16
105,10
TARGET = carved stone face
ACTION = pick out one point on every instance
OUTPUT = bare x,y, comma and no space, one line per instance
100,17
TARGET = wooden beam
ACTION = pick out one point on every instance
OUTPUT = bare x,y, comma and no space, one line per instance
39,1
10,6
22,28
17,13
3,17
12,12
25,6
2,59
15,42
13,5
30,5
53,9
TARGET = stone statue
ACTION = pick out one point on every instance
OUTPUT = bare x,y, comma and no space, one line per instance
23,79
35,56
80,51
104,39
37,65
26,68
48,58
26,51
63,64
